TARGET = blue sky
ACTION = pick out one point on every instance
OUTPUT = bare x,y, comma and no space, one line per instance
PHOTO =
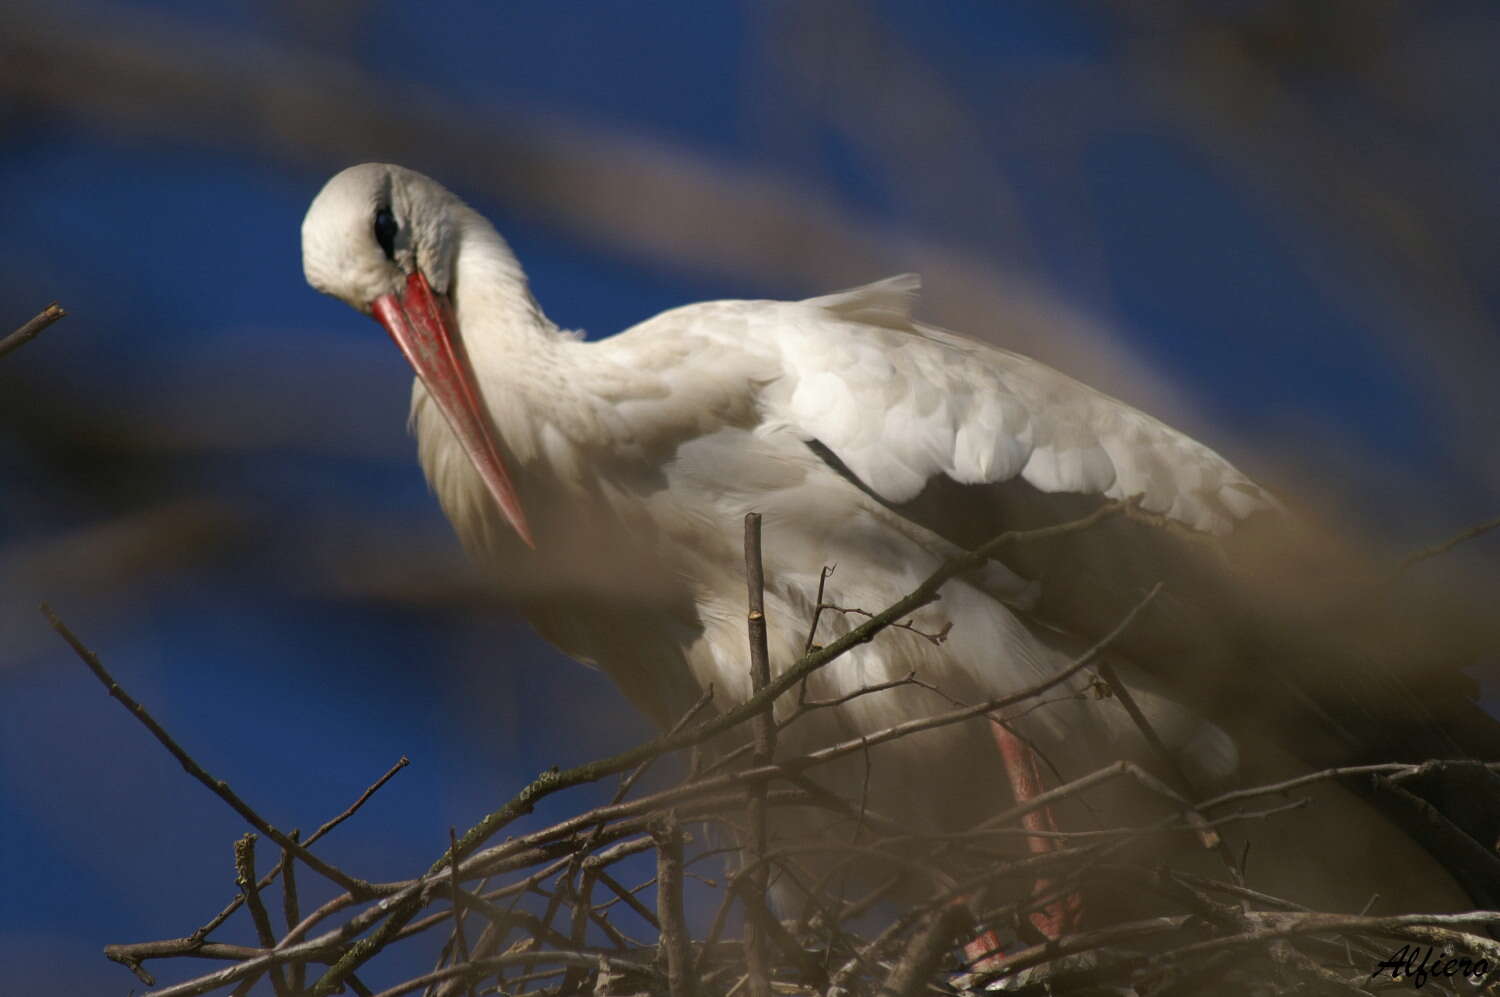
198,372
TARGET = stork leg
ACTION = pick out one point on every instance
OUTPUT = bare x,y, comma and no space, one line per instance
1059,916
1020,761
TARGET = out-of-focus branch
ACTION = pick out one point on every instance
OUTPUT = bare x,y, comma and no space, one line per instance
1463,536
31,329
162,77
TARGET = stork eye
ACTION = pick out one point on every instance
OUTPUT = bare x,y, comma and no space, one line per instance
385,232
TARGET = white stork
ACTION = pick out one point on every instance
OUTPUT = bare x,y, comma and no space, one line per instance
604,483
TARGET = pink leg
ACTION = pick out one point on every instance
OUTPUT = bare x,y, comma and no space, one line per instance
1026,783
1053,920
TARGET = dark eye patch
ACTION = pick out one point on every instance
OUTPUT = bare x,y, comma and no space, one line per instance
385,232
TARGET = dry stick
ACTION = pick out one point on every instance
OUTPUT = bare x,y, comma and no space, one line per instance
327,946
483,967
1207,835
1442,548
323,829
763,731
808,705
771,929
674,939
925,951
935,637
31,329
628,783
131,955
582,900
562,885
402,910
244,877
628,896
458,907
291,911
1395,771
1433,928
220,788
245,986
818,606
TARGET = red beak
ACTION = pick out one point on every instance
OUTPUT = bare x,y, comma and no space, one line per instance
422,324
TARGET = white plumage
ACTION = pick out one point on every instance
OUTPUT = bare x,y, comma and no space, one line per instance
636,457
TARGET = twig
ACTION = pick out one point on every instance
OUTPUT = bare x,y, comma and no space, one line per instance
1207,835
244,877
935,637
1395,771
628,897
628,783
808,705
1419,556
458,907
290,910
31,329
818,606
243,988
220,788
925,951
763,733
349,811
585,960
770,928
673,926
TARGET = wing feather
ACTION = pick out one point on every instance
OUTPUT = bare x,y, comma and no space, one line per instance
901,403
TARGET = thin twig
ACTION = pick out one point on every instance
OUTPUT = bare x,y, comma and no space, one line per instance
1207,835
31,329
818,606
934,637
220,788
291,912
1395,771
458,906
1463,536
763,733
244,878
628,897
925,951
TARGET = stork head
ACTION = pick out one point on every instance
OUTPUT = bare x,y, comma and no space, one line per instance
384,239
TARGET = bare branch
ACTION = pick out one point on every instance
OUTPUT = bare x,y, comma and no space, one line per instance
1435,550
674,932
458,905
31,329
763,733
244,871
220,788
925,951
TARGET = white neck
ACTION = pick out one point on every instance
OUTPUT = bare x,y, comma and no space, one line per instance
518,355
